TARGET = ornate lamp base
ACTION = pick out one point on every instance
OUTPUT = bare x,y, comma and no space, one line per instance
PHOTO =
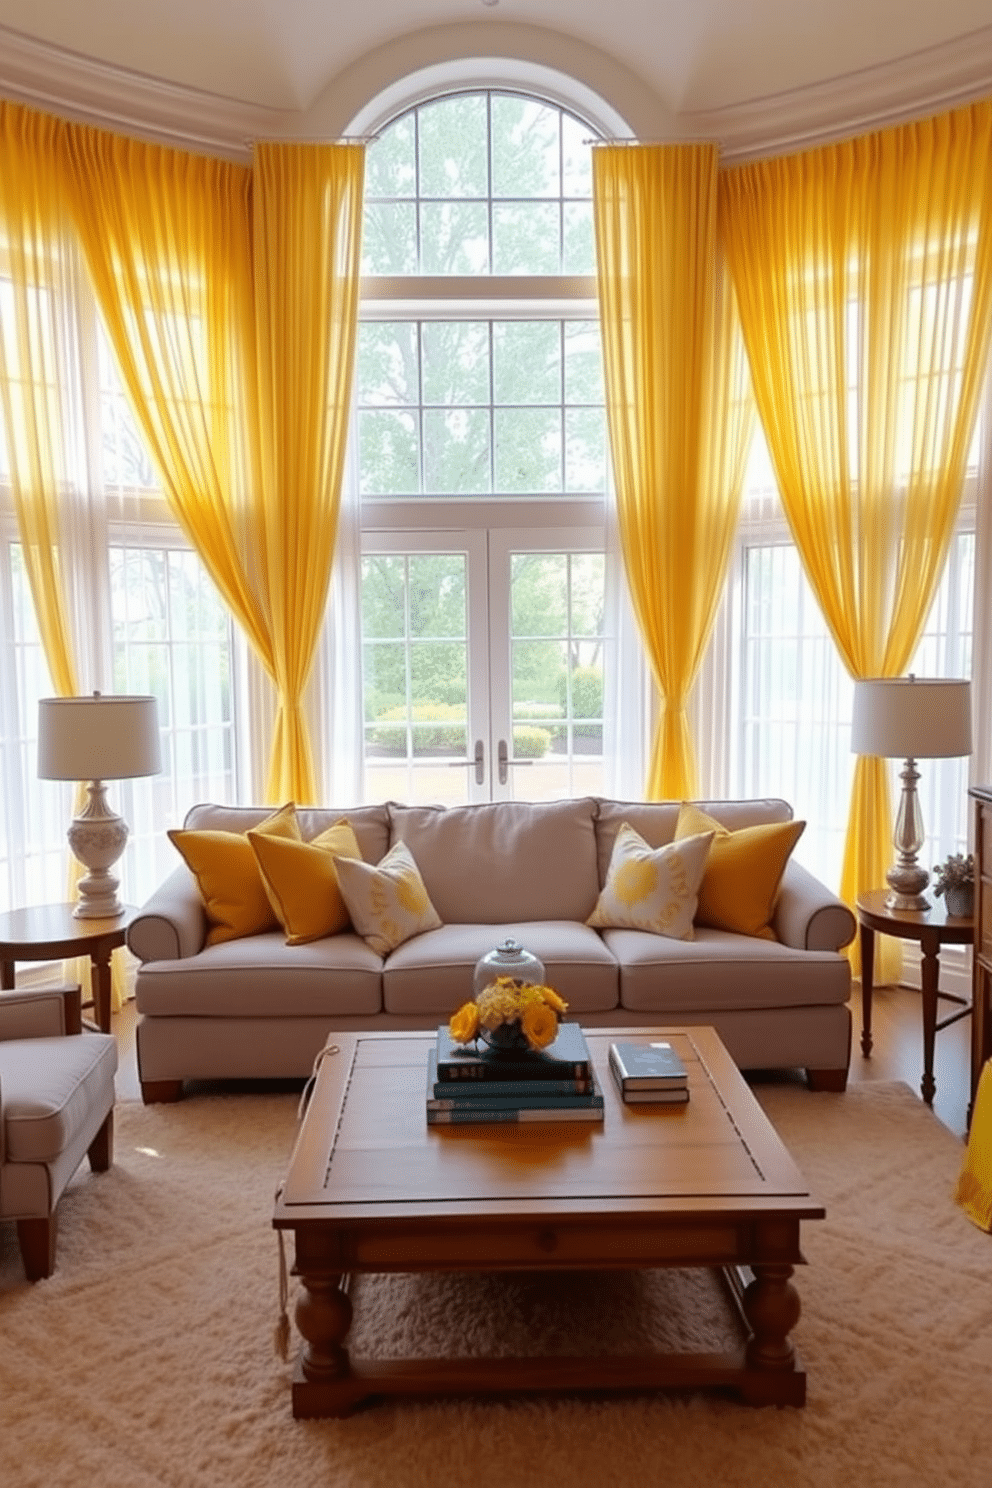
906,878
97,837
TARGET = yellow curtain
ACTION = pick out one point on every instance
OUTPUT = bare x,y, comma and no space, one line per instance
38,251
308,222
864,277
184,288
679,409
33,248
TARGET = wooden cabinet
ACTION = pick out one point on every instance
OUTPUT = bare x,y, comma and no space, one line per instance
981,1019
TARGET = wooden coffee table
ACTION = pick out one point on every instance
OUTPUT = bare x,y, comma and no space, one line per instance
371,1188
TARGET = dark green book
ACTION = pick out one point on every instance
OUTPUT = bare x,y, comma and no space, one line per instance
453,1095
567,1058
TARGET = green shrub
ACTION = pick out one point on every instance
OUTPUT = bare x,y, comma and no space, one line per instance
587,692
529,741
448,735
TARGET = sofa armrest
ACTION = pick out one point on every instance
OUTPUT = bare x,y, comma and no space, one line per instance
172,923
40,1012
808,916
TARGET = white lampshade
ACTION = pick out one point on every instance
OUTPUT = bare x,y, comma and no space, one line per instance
912,717
98,738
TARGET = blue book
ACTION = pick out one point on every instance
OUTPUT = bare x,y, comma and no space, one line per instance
493,1095
566,1058
471,1090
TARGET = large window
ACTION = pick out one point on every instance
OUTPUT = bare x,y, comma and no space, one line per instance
481,455
144,617
788,695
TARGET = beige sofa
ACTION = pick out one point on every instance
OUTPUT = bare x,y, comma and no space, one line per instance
258,1008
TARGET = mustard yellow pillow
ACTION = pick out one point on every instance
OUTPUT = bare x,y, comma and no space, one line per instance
228,877
743,871
652,888
389,903
302,880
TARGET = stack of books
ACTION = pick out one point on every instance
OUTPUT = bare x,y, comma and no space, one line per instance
649,1073
553,1084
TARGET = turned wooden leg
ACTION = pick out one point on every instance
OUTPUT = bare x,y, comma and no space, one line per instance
155,1092
37,1239
101,1149
867,985
929,980
323,1316
771,1306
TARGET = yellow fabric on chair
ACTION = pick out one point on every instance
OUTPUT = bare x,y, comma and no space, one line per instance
974,1190
743,871
302,880
228,876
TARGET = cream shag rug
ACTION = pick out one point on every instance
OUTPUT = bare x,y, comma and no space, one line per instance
147,1360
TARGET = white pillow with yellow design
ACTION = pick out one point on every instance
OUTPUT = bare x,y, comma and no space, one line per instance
652,888
388,903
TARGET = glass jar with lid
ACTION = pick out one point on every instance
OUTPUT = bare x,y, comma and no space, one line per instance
509,958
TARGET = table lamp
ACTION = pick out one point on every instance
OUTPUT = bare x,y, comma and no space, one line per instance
910,718
95,739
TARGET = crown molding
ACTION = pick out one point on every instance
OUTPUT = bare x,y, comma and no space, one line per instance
927,82
73,86
92,92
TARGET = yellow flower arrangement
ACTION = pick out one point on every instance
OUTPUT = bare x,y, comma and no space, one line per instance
507,1003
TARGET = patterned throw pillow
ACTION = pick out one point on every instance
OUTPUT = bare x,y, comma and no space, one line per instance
652,888
301,879
388,904
743,871
228,877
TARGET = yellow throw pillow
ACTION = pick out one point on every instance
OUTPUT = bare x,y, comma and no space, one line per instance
228,876
743,871
302,880
652,888
388,904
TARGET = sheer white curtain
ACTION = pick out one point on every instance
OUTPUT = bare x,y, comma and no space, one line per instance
335,696
628,721
981,679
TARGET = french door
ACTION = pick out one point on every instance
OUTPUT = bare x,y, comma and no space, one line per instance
483,664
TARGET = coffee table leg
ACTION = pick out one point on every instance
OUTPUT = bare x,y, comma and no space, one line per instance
771,1306
323,1316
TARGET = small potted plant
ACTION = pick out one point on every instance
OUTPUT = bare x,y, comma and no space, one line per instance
955,880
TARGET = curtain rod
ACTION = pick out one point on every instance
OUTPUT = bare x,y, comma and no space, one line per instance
341,139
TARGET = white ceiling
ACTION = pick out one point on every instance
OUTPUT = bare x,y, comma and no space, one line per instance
695,56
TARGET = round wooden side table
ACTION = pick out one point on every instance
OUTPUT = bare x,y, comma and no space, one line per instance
51,932
932,928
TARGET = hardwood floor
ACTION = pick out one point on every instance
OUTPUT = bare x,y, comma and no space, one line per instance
897,1027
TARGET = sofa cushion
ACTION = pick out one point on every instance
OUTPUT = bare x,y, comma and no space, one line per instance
387,902
719,971
652,888
504,861
656,820
433,975
743,871
227,875
301,880
323,978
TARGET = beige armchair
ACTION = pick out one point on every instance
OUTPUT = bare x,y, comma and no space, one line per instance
56,1104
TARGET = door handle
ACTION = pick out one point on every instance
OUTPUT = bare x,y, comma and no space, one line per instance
503,762
478,761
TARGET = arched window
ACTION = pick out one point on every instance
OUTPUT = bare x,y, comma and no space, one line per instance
481,454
